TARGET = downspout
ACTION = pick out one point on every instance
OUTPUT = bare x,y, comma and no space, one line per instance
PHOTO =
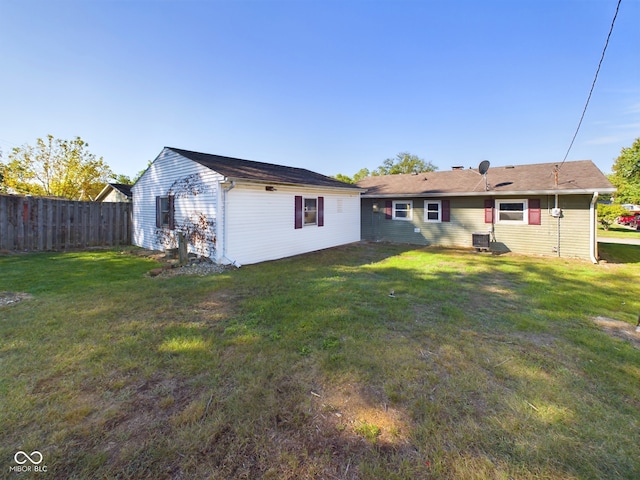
556,174
557,227
226,190
593,240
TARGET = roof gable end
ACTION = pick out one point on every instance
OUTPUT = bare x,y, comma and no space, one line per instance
249,170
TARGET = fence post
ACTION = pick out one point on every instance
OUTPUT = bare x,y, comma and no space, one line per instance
183,256
4,223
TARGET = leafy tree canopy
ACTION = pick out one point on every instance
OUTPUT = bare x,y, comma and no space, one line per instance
123,179
2,167
55,167
404,163
343,178
626,174
359,175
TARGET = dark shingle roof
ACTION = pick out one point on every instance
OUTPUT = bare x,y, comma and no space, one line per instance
122,188
238,169
574,177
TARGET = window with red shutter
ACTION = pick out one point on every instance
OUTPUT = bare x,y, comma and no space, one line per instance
535,216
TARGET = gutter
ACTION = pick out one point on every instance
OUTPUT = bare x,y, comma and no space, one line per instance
512,193
261,182
593,239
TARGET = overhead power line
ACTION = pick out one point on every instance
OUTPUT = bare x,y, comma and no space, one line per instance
595,78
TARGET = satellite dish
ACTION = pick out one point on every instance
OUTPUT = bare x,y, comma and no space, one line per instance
483,167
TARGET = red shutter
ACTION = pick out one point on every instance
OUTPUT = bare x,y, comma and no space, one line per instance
534,211
298,212
321,211
446,211
158,212
172,212
488,210
388,207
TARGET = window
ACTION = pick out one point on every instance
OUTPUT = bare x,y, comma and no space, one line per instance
403,210
432,211
310,211
164,212
511,211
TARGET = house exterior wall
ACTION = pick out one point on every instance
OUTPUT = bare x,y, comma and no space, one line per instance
195,192
467,216
115,196
261,224
566,236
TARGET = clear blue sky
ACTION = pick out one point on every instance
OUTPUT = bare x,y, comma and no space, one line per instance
332,86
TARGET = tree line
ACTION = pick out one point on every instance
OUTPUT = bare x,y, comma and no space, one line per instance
57,168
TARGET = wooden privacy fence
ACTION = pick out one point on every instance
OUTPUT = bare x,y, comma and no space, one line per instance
41,224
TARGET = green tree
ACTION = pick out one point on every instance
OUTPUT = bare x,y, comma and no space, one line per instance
55,167
626,174
343,178
123,179
607,214
2,175
359,175
404,163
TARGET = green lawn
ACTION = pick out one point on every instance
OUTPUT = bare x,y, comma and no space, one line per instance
618,231
479,366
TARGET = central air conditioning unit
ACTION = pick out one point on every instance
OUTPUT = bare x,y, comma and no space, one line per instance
480,241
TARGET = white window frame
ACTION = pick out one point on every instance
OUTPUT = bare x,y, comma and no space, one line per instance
439,211
409,211
304,211
525,211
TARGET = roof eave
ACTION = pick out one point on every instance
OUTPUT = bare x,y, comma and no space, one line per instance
510,193
228,180
103,192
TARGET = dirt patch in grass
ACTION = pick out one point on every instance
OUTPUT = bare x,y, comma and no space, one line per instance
362,414
9,298
619,329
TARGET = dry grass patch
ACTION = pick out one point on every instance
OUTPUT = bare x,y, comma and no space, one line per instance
619,329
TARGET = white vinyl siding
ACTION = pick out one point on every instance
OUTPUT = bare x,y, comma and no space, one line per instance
195,197
261,223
